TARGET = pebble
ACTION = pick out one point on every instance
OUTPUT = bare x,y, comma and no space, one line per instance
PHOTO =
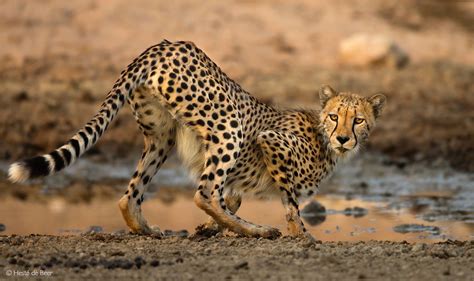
119,232
2,227
314,213
94,229
139,261
242,265
180,233
418,247
377,251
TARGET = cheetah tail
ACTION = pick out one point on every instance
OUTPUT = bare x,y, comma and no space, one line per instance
84,139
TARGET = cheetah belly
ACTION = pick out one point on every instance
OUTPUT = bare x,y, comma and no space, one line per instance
190,150
191,153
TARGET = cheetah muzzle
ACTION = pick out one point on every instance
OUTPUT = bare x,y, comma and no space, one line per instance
231,143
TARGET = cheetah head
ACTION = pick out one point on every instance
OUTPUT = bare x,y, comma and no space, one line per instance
347,118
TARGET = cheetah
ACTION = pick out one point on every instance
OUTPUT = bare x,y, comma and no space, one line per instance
231,143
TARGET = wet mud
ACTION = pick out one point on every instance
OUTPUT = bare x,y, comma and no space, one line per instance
123,256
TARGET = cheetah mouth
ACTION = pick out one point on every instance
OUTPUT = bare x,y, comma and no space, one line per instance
342,149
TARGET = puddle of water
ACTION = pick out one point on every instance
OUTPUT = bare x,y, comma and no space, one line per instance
378,223
389,196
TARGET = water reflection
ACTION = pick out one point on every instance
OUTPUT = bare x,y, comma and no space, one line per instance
337,219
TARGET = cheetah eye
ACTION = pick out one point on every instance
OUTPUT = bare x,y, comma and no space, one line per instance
358,120
333,117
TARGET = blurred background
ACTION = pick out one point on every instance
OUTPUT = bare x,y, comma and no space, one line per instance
60,58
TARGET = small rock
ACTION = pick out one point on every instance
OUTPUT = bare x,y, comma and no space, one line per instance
71,263
155,263
119,232
365,50
126,264
242,265
377,251
439,253
314,213
21,96
94,229
139,261
118,263
2,227
83,266
180,233
118,253
418,247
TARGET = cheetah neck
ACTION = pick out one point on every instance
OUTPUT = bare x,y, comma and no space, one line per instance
320,136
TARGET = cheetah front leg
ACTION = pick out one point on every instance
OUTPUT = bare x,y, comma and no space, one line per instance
209,196
282,161
295,224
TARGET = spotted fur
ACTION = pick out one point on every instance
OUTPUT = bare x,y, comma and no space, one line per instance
231,143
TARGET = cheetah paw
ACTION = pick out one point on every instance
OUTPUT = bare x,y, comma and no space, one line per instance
269,232
150,230
310,238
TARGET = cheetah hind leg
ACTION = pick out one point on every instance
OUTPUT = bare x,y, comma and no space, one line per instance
130,203
211,227
159,129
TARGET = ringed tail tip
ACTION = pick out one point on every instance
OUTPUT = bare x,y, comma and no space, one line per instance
18,172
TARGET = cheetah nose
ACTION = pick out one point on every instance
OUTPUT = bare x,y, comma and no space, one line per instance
342,139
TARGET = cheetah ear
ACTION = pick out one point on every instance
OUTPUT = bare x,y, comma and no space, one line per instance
325,94
377,102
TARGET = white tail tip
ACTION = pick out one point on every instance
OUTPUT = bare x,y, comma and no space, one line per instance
18,173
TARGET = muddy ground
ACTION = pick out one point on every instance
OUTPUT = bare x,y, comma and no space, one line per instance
59,59
111,256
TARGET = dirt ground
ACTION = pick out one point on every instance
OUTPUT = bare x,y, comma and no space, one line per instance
112,256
